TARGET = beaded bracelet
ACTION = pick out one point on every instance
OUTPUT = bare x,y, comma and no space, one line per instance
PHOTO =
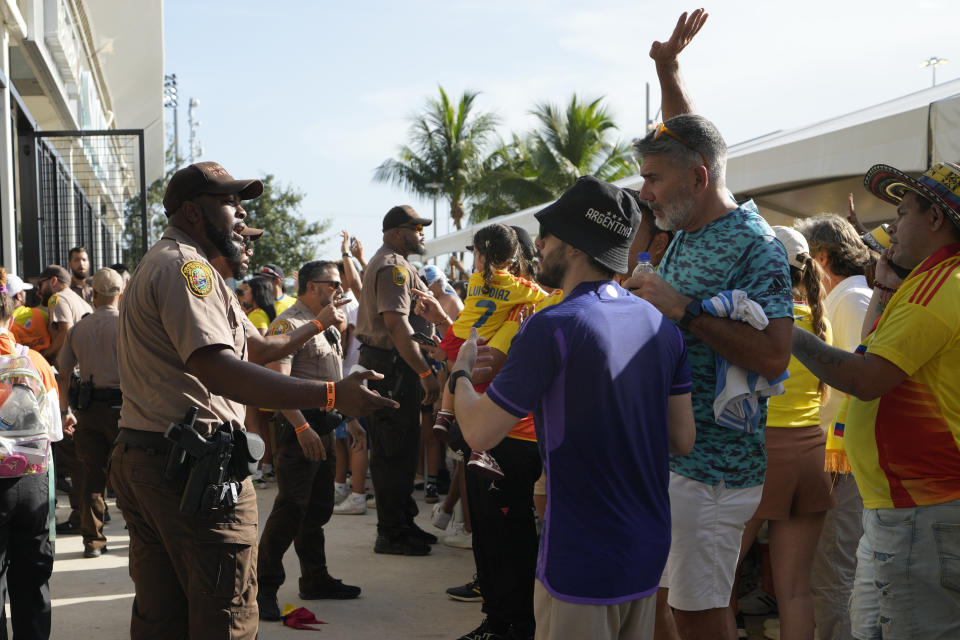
318,325
331,396
877,285
425,373
302,428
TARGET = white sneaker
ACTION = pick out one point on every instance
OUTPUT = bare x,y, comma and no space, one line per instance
459,539
757,603
354,505
371,502
440,518
339,495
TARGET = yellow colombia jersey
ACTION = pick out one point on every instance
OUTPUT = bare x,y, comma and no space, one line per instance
504,336
260,319
799,406
283,303
903,447
487,308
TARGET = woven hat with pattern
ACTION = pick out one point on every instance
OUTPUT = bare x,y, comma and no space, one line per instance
940,184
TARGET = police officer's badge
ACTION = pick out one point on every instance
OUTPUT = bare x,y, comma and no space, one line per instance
279,328
399,276
52,302
199,277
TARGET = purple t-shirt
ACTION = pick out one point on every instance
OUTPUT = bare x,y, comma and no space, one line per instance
596,370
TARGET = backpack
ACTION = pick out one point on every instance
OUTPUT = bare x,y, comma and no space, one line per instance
24,424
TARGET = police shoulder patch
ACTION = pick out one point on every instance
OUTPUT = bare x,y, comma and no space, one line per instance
279,328
399,276
199,277
54,299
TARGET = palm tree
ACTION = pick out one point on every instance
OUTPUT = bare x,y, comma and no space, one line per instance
540,166
445,147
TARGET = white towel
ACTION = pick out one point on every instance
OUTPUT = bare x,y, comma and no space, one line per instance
736,403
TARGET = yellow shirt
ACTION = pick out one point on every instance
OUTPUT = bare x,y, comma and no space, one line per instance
799,405
283,303
260,319
505,334
904,447
487,308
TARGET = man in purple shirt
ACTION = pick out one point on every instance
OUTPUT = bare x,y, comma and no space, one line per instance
607,380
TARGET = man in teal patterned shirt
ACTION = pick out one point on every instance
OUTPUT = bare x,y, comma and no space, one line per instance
719,246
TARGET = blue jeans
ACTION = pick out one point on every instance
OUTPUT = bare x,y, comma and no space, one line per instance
908,574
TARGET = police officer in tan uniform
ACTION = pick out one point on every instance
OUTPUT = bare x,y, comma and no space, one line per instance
92,343
182,342
64,309
304,458
385,325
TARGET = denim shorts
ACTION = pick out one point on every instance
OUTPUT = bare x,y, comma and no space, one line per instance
908,574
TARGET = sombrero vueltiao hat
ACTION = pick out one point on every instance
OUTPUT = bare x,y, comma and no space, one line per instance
940,184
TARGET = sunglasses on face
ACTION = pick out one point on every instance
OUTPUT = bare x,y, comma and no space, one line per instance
413,227
334,284
661,129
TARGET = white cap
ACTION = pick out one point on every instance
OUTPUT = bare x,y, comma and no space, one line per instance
795,244
15,285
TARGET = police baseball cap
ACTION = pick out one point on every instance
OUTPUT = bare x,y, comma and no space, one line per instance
206,177
108,282
52,271
596,217
401,215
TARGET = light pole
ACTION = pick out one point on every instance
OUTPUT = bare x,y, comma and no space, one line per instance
170,101
436,186
933,62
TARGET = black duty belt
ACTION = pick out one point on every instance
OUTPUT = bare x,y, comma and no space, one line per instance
146,440
113,396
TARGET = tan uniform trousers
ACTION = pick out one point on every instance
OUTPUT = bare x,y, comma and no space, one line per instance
93,438
194,578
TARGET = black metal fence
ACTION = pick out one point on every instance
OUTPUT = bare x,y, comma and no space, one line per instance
81,189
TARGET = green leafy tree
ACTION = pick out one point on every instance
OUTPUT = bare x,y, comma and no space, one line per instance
289,239
535,168
445,147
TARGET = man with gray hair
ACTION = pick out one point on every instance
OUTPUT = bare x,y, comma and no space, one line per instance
719,246
835,244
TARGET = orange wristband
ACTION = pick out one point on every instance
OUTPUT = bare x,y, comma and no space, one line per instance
425,373
302,428
331,396
318,324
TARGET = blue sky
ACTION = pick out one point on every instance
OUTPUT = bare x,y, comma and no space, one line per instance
319,93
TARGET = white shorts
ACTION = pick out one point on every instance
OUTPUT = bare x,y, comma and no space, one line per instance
707,530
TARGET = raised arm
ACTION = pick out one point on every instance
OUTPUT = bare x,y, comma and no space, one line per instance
674,99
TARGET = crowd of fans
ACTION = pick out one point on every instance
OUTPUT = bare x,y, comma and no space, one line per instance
614,445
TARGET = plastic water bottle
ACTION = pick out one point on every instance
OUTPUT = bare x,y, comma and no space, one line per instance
643,264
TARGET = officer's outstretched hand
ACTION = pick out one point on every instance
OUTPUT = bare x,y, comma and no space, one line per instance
431,386
354,399
331,315
312,446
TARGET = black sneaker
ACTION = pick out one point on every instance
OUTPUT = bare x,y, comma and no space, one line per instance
404,546
469,592
331,589
67,528
431,495
269,609
741,626
106,515
419,534
486,631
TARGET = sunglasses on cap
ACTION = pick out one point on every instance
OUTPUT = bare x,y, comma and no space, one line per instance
661,129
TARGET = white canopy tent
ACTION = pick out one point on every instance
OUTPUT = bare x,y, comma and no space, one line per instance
811,169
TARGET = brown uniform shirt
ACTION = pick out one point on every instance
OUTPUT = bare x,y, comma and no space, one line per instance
85,291
387,282
66,306
175,304
317,359
92,343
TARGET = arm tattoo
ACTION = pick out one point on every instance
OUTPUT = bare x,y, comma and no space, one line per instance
832,365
